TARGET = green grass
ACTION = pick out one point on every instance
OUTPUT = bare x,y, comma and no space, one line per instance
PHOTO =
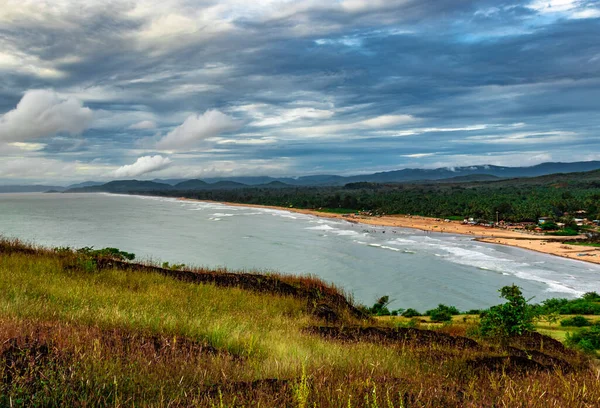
228,318
73,335
337,210
265,331
563,232
455,218
583,243
551,329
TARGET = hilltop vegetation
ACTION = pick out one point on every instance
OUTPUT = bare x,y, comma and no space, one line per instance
87,328
408,175
474,195
515,200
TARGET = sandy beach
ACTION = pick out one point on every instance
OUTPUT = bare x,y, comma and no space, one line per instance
539,243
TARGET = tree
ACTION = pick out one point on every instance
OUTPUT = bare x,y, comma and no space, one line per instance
411,313
442,313
515,317
549,226
380,307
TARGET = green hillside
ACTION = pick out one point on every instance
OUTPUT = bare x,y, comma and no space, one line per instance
88,329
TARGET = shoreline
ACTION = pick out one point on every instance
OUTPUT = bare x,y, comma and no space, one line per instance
537,243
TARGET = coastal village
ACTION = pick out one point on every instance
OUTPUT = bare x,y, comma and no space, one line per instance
570,236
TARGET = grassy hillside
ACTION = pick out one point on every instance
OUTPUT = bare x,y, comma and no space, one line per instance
75,331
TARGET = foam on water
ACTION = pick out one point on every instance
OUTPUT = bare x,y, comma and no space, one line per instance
345,233
403,241
474,256
391,248
321,228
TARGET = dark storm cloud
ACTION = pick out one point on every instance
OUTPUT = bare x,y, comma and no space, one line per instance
340,87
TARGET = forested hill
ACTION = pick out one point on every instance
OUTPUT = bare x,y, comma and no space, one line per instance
524,199
420,175
442,175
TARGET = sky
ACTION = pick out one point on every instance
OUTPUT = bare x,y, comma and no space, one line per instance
145,89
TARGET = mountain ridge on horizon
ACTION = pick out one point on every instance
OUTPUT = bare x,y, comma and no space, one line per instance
462,173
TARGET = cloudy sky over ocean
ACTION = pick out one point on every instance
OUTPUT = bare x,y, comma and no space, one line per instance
191,88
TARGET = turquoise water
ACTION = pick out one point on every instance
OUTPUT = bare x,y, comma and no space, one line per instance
415,269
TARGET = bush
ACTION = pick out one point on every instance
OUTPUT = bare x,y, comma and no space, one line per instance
398,312
512,318
412,323
591,297
580,307
113,253
586,305
549,226
564,232
380,307
576,321
173,267
552,305
442,313
587,340
411,313
439,316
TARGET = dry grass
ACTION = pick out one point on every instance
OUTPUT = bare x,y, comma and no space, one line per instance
75,336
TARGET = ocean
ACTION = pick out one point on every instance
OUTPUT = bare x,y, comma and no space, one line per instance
416,269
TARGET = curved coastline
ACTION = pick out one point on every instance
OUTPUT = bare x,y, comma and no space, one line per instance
537,243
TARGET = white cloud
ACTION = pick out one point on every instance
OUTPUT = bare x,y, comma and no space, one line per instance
28,147
222,168
179,90
123,118
417,131
281,116
36,167
176,26
511,159
377,122
44,113
384,121
143,165
553,6
574,9
144,124
247,141
586,13
418,155
522,138
198,127
17,61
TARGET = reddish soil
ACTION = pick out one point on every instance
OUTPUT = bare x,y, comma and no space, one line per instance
393,335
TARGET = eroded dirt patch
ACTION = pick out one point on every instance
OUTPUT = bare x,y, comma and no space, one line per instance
544,359
539,342
388,335
508,364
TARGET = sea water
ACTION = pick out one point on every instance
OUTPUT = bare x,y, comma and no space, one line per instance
416,269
